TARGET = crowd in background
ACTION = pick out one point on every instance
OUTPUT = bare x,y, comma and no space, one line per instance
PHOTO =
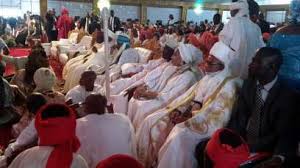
182,95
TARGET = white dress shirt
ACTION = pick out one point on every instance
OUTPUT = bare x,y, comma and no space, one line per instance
266,89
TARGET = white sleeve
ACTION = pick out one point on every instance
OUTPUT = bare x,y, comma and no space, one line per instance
226,35
27,136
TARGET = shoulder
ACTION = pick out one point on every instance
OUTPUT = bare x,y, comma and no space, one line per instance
37,152
290,29
75,89
78,161
235,83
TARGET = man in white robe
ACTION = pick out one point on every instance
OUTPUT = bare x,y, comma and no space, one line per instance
102,134
86,86
146,102
122,84
94,60
213,99
37,157
124,55
155,75
243,36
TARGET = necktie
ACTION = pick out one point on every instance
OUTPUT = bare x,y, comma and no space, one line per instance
254,124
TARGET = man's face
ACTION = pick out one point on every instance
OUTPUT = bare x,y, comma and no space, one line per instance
88,81
212,64
234,12
176,59
260,67
112,13
167,53
216,19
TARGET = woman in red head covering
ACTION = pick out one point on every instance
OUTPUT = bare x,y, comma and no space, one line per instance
119,161
55,124
64,24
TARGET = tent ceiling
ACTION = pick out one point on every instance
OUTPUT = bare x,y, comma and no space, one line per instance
262,2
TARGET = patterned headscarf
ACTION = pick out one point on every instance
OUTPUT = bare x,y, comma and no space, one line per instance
295,11
44,79
123,39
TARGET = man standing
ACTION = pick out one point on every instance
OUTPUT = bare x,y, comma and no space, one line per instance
263,114
51,26
171,20
242,35
264,25
114,23
218,25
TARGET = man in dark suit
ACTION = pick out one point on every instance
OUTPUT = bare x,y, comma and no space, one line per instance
264,25
114,23
51,26
264,112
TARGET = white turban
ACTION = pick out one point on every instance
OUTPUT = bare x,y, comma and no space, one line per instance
131,68
44,79
189,53
242,6
223,53
172,43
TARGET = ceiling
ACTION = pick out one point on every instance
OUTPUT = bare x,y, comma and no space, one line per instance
261,2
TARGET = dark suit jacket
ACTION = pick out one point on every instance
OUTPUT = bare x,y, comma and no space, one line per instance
277,133
264,26
117,24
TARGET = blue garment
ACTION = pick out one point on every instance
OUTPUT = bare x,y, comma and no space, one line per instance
290,47
123,39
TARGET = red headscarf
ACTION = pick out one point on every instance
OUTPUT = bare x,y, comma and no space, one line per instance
64,11
224,155
118,161
58,132
208,40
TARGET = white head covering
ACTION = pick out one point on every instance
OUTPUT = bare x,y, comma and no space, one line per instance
189,53
242,6
44,79
172,43
223,53
131,68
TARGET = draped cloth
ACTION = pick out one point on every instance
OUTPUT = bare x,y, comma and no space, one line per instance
243,36
289,72
59,133
104,135
212,89
214,114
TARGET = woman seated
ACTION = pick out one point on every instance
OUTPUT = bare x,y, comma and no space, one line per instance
24,77
10,97
45,81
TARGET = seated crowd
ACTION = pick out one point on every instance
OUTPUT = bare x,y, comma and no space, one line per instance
180,96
